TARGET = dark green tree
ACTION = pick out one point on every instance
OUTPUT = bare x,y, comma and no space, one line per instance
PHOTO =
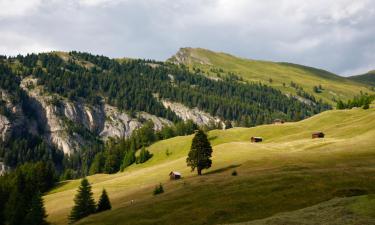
129,159
144,155
37,213
200,153
104,203
84,203
228,124
17,204
98,164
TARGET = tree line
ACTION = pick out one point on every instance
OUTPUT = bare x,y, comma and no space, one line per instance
363,100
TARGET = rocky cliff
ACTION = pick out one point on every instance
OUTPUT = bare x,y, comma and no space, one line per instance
185,113
57,115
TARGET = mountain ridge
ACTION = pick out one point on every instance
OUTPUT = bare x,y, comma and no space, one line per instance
279,75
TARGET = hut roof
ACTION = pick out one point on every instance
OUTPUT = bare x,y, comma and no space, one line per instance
175,173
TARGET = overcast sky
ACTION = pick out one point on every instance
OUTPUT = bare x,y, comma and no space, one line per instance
337,35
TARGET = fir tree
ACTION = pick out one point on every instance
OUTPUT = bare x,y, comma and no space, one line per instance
144,155
37,213
129,159
104,203
17,204
200,153
84,203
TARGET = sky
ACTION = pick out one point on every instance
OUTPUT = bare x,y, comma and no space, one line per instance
336,35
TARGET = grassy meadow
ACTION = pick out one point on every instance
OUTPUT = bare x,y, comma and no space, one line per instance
262,71
287,172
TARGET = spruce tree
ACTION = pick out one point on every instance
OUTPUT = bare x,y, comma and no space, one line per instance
37,213
129,159
144,155
104,203
200,153
84,203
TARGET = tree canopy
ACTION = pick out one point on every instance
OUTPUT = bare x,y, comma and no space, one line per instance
200,153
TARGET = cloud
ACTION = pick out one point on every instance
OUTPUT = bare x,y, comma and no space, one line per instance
18,7
334,35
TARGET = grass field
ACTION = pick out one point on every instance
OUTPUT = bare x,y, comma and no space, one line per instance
334,86
289,171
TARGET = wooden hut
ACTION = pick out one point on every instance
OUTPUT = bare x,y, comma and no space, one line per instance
318,135
256,139
278,121
174,175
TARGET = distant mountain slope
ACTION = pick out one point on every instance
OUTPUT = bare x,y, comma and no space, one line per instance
278,75
367,78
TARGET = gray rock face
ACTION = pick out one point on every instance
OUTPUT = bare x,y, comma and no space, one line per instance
5,128
102,120
187,56
3,168
185,113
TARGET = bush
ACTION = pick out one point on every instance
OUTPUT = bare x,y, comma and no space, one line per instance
234,173
158,189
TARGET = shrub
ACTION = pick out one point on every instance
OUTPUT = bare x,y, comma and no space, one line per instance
158,189
234,173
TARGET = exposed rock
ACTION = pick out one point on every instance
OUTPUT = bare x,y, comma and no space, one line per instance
3,168
5,128
188,56
198,116
102,120
118,124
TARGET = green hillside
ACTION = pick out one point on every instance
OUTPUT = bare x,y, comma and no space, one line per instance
288,171
214,63
367,78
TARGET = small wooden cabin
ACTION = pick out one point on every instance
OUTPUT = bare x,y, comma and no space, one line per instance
278,121
256,139
318,135
174,175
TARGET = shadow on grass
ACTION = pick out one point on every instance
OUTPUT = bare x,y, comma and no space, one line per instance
57,186
223,169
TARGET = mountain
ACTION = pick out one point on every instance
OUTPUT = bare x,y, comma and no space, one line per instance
286,77
59,103
367,78
287,172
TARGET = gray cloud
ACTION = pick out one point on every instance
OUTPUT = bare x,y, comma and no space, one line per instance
334,35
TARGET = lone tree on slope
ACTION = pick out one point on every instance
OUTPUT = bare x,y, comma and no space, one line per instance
200,153
84,203
104,203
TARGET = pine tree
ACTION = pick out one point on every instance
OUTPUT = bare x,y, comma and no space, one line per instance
104,203
200,153
144,155
129,159
17,204
84,203
37,213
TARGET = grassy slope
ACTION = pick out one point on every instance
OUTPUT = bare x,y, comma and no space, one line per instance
340,211
254,70
289,171
367,78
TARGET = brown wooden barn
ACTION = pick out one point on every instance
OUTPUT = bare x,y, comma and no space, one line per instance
278,121
318,135
174,175
256,139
